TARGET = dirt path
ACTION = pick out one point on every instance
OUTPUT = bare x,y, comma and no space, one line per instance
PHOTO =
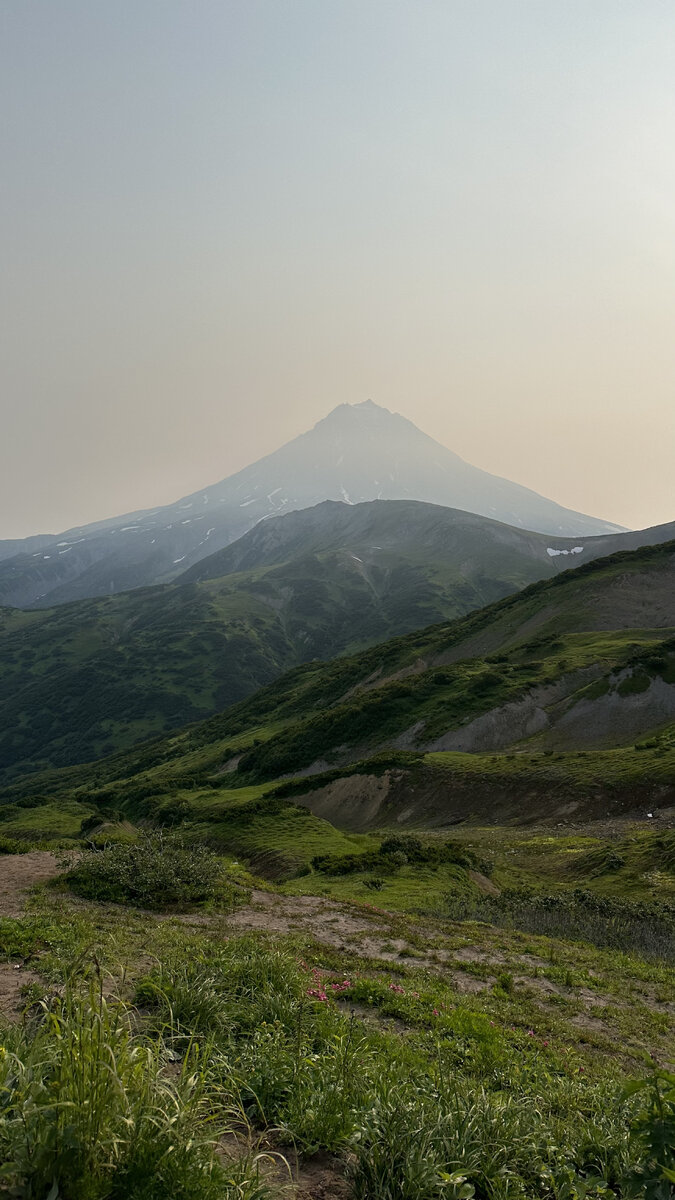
18,874
326,920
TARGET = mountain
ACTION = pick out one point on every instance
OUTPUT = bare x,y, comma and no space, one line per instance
357,453
86,678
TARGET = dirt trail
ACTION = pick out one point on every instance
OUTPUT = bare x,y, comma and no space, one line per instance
325,920
18,874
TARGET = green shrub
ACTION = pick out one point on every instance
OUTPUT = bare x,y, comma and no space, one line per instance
396,851
13,846
157,871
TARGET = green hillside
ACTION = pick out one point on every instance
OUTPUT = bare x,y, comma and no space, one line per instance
90,677
371,728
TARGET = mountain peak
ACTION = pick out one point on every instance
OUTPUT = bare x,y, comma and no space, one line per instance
357,412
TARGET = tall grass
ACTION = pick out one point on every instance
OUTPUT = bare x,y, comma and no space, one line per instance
89,1110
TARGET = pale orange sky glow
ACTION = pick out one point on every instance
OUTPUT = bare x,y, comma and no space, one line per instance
222,219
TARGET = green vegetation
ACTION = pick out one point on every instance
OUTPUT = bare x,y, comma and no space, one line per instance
394,852
156,871
97,676
202,1062
452,974
94,676
90,1112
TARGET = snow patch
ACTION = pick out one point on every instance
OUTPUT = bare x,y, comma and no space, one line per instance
553,553
345,495
177,560
246,503
130,528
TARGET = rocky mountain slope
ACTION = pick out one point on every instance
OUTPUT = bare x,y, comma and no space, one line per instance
357,453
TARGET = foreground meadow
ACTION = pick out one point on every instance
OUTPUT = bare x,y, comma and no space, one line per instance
252,1041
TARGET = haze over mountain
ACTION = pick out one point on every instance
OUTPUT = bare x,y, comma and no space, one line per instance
357,453
90,676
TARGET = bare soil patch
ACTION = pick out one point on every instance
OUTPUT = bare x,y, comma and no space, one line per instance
13,979
324,920
18,874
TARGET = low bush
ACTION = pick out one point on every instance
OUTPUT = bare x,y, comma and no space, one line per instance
13,846
158,870
395,852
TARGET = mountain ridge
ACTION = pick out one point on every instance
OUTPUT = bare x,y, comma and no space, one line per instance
356,453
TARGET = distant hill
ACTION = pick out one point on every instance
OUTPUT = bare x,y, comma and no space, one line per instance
585,660
556,701
87,678
357,453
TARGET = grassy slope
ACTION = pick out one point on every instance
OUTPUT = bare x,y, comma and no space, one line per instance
206,772
90,677
455,1046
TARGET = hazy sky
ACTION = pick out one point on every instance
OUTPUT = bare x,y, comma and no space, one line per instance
220,219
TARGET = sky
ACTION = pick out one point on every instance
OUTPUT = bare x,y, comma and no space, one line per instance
222,218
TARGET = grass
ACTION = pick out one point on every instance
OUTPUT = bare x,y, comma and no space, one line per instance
90,1111
419,1085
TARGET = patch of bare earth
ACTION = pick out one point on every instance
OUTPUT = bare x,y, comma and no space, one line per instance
323,920
319,1178
18,874
13,979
